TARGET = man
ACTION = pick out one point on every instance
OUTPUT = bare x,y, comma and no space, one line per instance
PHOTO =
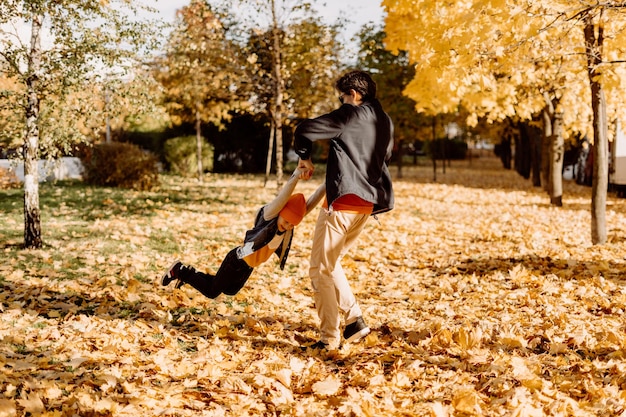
358,184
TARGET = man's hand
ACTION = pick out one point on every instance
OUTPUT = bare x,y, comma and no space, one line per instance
306,168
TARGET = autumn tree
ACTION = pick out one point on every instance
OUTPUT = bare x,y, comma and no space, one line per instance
312,60
517,59
392,73
288,46
310,57
277,110
126,103
604,39
49,49
11,127
201,71
508,78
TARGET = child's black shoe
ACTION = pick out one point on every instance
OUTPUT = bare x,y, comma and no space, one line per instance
172,274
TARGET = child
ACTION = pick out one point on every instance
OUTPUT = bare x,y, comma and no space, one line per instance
272,233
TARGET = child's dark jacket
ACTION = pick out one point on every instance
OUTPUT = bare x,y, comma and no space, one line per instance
261,235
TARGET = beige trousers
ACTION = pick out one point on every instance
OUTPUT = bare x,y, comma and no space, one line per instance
335,233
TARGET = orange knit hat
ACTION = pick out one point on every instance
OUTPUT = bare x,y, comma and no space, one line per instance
294,210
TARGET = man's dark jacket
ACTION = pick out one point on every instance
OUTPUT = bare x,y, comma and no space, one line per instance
361,141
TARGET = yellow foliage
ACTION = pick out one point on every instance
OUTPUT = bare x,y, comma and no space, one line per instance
459,47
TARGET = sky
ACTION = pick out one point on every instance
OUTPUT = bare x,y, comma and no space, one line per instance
355,13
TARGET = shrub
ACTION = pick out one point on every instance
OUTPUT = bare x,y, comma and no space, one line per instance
121,165
180,154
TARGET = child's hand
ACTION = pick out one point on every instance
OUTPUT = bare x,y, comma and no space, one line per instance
304,174
305,169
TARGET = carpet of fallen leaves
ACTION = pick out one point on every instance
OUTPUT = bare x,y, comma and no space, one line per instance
483,300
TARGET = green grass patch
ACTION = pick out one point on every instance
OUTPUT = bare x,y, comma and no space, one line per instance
11,201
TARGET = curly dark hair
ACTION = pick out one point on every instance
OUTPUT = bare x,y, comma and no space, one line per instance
359,81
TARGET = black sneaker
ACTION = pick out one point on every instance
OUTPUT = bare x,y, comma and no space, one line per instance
172,274
356,331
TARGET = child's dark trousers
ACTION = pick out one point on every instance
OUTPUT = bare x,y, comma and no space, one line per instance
229,279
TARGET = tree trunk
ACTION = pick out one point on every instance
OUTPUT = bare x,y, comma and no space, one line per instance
523,151
32,215
278,111
444,145
505,149
557,152
536,147
400,155
600,178
433,153
553,135
270,152
199,143
545,151
107,117
279,154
